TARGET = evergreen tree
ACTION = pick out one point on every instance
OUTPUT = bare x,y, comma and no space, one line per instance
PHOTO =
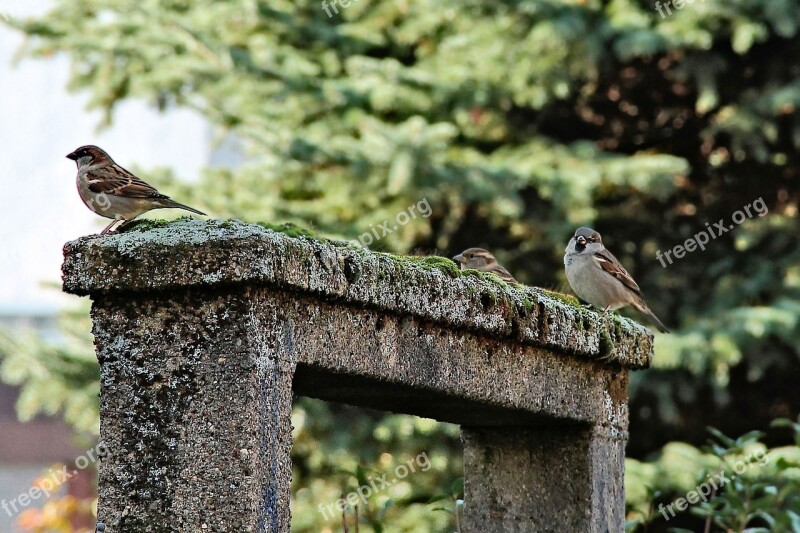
517,121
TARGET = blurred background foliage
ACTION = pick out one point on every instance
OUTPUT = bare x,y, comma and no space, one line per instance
517,121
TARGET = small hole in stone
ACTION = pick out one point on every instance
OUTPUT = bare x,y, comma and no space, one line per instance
352,271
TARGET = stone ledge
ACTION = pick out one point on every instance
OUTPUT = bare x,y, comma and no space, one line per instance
191,253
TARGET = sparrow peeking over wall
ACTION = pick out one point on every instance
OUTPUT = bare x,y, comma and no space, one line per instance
480,259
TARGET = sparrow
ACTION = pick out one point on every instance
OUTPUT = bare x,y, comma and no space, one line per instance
480,259
112,192
597,277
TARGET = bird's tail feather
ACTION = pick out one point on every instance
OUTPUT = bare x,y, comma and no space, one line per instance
652,316
173,204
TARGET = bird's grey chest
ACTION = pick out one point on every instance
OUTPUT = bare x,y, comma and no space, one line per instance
582,274
88,197
578,267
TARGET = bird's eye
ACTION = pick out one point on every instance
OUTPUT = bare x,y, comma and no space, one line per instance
471,256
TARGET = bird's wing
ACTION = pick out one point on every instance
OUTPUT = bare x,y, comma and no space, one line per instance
503,274
611,265
117,181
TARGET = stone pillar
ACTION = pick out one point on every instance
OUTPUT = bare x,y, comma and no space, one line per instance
546,479
195,415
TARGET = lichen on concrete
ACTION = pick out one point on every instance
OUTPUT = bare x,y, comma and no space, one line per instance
188,252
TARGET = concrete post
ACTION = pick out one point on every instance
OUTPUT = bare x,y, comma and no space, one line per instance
559,478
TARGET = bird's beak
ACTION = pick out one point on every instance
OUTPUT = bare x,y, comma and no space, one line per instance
72,156
581,240
459,259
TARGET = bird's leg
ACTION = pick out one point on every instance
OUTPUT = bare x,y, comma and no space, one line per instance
605,311
105,230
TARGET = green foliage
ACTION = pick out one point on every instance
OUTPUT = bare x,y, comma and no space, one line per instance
366,113
56,377
735,485
337,449
517,120
455,498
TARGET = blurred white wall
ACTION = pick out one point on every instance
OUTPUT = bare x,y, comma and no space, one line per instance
40,122
40,209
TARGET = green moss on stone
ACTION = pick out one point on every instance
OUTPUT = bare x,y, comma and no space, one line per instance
499,290
148,224
606,342
443,264
485,276
428,263
439,263
291,230
620,326
565,298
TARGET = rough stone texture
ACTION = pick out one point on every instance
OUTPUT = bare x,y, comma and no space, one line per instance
204,329
195,415
191,253
569,478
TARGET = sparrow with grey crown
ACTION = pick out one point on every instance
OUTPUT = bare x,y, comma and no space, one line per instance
480,259
113,192
597,276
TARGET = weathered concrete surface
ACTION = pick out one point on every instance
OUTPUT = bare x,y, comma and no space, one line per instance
195,413
567,478
191,253
203,329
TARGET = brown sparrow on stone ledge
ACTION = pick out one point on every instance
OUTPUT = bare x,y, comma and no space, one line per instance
597,276
112,192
